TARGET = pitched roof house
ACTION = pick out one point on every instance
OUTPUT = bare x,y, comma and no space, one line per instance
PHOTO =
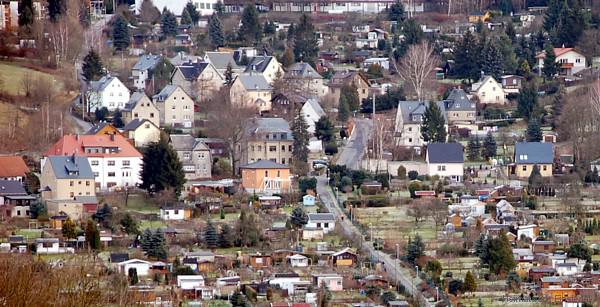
220,60
142,131
143,69
197,78
141,107
528,154
570,60
267,66
341,78
13,168
267,139
459,108
108,92
445,160
305,79
193,154
252,90
489,91
312,112
266,176
409,117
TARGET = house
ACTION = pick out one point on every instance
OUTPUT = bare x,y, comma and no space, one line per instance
267,139
227,285
308,200
183,40
540,246
306,79
176,107
220,60
536,273
384,63
267,66
13,168
141,267
566,269
190,282
287,104
323,221
14,200
252,90
48,246
266,176
504,209
445,160
571,61
259,261
108,92
103,128
512,84
342,7
345,257
194,155
528,154
409,117
198,79
114,161
332,282
523,255
286,281
459,109
141,107
142,71
531,231
366,43
68,185
339,79
142,131
297,260
269,202
312,112
479,17
489,91
312,233
175,213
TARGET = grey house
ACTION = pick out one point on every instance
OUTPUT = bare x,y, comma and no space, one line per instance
194,155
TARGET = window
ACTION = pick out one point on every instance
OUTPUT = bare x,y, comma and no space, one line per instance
79,182
577,60
282,160
174,116
272,148
186,155
176,211
96,174
151,115
410,140
319,225
524,168
326,225
111,174
126,163
87,183
266,173
278,173
409,129
441,168
251,147
94,162
173,107
290,148
544,167
147,126
71,183
71,194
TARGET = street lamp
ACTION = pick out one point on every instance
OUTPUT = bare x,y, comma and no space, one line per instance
437,292
396,266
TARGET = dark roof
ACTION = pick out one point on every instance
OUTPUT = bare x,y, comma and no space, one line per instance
118,257
445,153
11,187
70,167
458,101
134,124
302,70
146,62
258,63
97,127
321,217
134,99
191,70
534,153
263,164
413,111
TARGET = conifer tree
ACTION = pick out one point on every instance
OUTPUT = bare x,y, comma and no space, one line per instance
92,67
433,129
550,68
192,12
120,34
466,56
215,31
301,140
69,229
92,235
492,59
534,131
527,100
211,239
26,15
305,41
56,8
474,148
186,19
469,284
489,146
168,23
162,168
299,218
415,249
226,238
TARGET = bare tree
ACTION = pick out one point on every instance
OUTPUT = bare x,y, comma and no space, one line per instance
227,121
439,212
417,66
382,135
594,96
419,209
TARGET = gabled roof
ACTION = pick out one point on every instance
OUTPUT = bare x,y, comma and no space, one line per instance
185,142
98,127
165,93
136,123
341,78
258,63
146,62
100,85
302,70
344,251
458,101
475,87
316,106
12,166
317,217
70,167
11,187
413,111
135,99
445,153
220,59
76,144
270,125
557,52
264,164
134,261
254,82
191,70
534,153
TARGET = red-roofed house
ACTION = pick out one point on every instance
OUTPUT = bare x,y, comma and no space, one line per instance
13,168
571,61
114,161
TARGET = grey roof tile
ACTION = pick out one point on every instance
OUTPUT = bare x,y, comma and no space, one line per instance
534,153
445,153
71,167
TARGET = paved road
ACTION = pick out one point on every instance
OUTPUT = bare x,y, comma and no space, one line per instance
351,155
354,149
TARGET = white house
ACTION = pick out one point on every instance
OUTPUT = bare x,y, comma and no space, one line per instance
409,117
489,91
312,112
190,282
204,7
107,92
142,267
288,281
48,246
571,61
323,221
298,261
142,70
504,209
384,63
173,213
308,200
445,160
332,282
529,231
566,268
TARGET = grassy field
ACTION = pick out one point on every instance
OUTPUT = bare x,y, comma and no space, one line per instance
151,224
30,233
9,113
393,223
12,76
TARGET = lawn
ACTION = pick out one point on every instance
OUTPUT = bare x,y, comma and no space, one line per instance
142,204
392,223
30,233
12,76
151,224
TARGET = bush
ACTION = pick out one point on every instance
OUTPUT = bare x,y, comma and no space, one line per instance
412,175
402,172
331,148
378,202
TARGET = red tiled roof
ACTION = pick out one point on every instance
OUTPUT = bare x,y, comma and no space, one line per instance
557,51
12,166
75,144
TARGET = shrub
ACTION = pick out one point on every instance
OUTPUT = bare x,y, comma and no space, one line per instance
331,148
402,172
412,175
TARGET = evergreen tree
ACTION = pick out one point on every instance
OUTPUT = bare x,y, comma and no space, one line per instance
26,15
120,34
129,224
159,246
482,250
534,131
301,140
250,30
343,109
133,276
38,210
492,60
219,8
433,128
466,57
215,31
299,218
550,68
92,235
415,249
396,12
229,75
511,32
211,239
489,146
56,8
161,74
168,23
162,168
69,229
324,129
85,19
186,19
552,14
557,105
580,251
412,32
118,119
527,100
306,47
226,236
248,233
92,66
239,300
103,215
535,179
146,241
469,284
193,13
269,27
509,57
287,59
350,92
474,149
501,258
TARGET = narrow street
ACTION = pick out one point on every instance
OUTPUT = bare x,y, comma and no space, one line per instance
351,155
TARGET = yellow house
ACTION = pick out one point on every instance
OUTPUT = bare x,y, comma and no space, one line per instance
266,176
176,107
140,107
339,79
252,90
529,154
268,66
103,128
142,132
479,16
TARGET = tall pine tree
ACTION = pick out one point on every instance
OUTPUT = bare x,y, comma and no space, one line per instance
534,131
305,41
162,168
26,15
215,31
168,23
92,67
186,19
211,239
250,30
527,100
301,139
56,8
474,148
120,34
466,56
433,129
493,61
550,66
192,12
489,146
